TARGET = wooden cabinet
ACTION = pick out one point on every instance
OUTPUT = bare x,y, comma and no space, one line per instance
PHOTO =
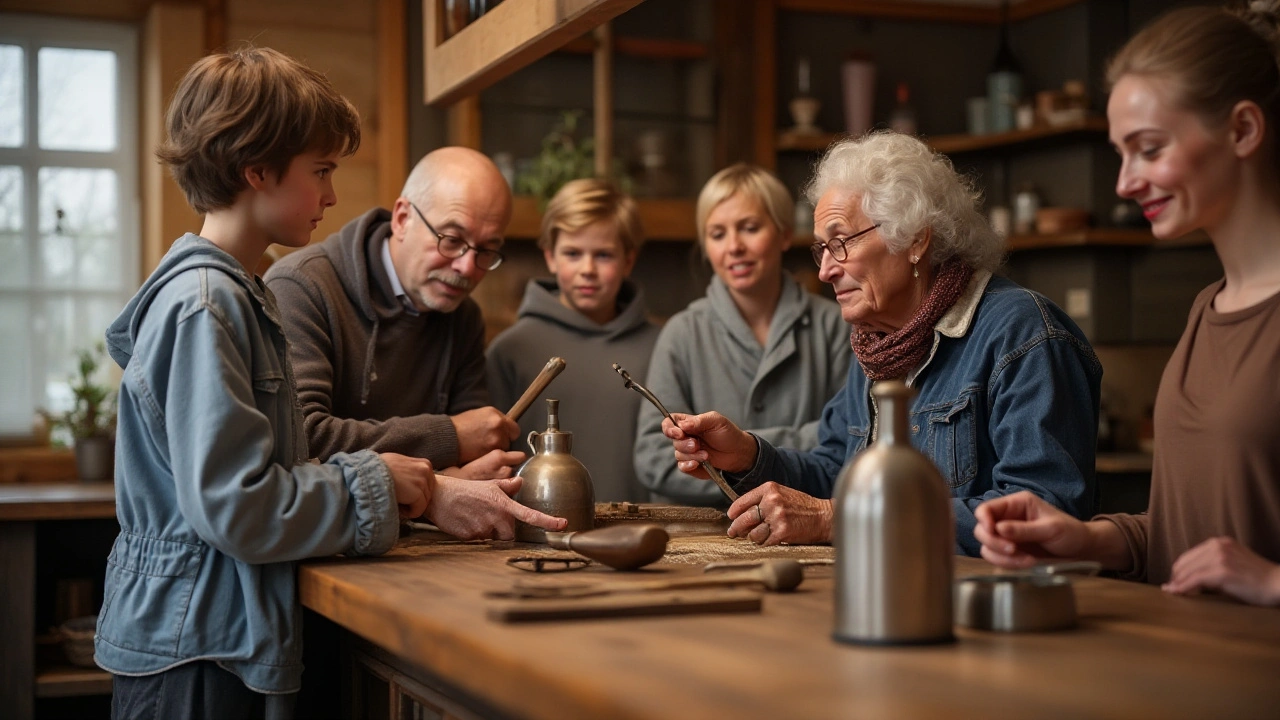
48,532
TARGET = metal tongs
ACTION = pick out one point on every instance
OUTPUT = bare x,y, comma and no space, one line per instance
712,471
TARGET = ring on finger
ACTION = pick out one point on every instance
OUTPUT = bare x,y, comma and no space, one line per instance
760,514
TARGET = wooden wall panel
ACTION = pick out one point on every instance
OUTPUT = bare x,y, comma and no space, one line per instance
172,39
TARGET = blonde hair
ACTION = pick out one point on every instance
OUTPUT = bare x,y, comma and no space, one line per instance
257,105
585,202
753,181
1214,57
906,187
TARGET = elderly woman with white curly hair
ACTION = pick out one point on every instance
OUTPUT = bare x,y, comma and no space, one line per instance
1007,384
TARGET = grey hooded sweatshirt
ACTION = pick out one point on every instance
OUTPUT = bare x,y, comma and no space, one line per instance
370,374
594,405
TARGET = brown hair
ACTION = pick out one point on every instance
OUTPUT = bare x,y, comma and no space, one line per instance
751,180
585,202
1215,57
252,106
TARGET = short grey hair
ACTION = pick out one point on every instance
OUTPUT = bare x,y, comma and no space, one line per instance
906,187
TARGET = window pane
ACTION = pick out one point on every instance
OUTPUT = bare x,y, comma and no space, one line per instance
13,250
11,96
67,325
80,244
77,99
17,399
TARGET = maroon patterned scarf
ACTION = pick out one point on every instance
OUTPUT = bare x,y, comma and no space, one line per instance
890,356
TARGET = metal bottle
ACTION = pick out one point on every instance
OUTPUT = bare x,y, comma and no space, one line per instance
555,482
894,536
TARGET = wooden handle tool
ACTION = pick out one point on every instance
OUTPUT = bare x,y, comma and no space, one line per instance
775,575
540,383
622,547
674,603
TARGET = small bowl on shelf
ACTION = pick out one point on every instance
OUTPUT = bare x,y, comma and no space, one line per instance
77,639
1059,220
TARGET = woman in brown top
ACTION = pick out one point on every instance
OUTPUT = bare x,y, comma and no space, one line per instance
1194,113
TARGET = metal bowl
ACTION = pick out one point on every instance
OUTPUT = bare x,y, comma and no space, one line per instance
1023,602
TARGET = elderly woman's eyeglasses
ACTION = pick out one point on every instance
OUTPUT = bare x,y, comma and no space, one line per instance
455,247
837,246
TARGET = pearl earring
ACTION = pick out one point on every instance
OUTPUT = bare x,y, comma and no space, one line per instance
915,271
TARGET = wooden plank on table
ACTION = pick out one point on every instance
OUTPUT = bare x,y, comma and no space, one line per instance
503,40
632,604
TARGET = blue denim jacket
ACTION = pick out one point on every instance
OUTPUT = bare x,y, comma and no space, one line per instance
1007,401
214,497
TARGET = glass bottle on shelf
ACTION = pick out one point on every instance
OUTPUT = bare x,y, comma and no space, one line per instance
1004,82
1025,206
903,118
804,107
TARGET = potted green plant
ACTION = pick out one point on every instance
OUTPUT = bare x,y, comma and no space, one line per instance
91,420
563,157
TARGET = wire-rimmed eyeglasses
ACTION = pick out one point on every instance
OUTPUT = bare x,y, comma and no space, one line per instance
837,246
455,247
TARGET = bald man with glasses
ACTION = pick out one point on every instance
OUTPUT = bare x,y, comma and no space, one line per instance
386,345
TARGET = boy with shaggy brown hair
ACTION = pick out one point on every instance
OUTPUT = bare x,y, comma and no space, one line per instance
215,499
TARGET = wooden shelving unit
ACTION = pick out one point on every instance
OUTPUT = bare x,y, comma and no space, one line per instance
1101,237
69,680
1123,462
503,40
924,10
645,48
962,143
662,218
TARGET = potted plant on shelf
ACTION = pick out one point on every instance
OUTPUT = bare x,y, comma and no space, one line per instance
563,157
91,421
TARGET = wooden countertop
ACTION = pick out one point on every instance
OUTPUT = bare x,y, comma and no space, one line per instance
57,501
1137,653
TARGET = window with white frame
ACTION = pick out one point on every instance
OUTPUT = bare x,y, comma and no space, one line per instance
69,239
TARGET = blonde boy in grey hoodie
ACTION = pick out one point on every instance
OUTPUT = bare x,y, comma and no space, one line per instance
593,316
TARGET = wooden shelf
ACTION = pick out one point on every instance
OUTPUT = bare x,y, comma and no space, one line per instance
662,218
646,48
1102,237
1090,237
956,144
952,144
68,680
925,10
503,40
1123,462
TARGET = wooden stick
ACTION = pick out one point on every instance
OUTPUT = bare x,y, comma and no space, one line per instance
540,383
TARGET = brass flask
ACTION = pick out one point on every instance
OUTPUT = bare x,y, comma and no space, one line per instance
555,482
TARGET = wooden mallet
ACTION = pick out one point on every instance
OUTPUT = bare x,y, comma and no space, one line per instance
540,383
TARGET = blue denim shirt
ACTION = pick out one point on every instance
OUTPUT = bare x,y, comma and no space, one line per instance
1007,401
214,497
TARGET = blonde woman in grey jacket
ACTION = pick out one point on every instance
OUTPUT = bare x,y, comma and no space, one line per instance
758,348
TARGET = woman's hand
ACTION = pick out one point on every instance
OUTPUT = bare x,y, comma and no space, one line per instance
711,437
773,514
1225,565
1016,530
